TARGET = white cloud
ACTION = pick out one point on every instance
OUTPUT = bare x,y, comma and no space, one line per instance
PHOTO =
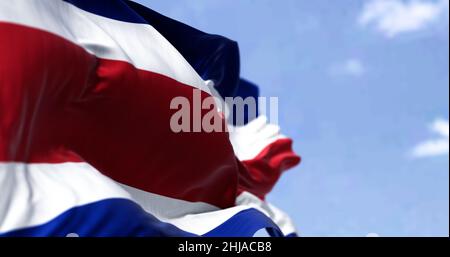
435,147
351,67
393,17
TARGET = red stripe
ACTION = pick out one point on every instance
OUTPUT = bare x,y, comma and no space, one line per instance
59,103
263,172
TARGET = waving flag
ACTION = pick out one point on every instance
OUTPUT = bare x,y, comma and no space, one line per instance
85,139
263,150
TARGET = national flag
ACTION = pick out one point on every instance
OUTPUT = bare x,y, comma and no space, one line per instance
85,141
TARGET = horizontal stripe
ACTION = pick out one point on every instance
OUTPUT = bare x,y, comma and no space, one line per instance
60,103
138,44
57,199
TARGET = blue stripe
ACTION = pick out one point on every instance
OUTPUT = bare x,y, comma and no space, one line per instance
124,218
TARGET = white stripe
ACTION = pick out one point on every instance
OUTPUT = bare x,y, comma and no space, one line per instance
166,208
138,44
198,218
33,194
250,140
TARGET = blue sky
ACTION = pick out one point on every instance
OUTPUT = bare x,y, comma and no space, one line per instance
364,93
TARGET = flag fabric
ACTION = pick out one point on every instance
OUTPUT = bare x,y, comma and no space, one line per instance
85,139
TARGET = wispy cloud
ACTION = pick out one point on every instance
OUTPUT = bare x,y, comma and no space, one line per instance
351,67
393,17
435,147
